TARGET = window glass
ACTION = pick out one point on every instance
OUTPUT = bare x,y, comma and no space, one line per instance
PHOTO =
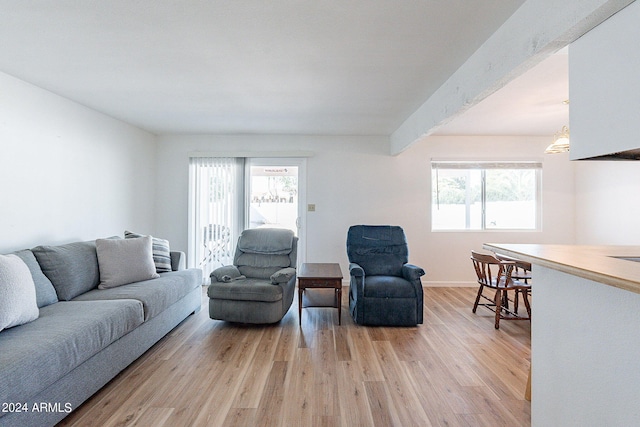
485,196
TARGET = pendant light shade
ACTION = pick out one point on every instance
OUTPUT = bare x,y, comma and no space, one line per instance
560,142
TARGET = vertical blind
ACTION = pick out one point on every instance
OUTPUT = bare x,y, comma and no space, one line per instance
215,217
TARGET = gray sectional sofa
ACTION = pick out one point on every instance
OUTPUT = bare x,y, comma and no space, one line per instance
83,335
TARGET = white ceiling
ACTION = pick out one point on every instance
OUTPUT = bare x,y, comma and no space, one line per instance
533,104
280,66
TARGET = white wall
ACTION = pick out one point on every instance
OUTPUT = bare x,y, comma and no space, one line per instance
448,252
353,180
607,202
68,172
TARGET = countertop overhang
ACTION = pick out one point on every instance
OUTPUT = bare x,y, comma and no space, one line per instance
604,264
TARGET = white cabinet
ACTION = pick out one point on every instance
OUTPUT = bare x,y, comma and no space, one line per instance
604,87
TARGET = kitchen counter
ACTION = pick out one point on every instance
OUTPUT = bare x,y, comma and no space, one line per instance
585,369
604,264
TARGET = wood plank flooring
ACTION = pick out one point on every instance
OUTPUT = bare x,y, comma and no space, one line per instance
453,370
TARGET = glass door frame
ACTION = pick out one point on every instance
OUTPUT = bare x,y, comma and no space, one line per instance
301,222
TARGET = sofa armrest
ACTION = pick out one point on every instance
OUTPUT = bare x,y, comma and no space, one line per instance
178,260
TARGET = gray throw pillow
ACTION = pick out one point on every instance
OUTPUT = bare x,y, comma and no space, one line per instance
125,261
72,268
161,251
45,292
17,293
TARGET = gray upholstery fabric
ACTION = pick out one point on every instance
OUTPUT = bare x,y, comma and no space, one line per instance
17,293
124,261
263,260
156,295
246,290
260,254
93,340
273,241
161,251
178,260
253,257
384,289
283,276
227,273
45,292
263,273
71,268
88,377
66,334
251,312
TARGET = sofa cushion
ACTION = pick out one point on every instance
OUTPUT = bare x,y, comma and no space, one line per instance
37,354
161,251
17,293
124,261
72,268
246,290
156,295
45,292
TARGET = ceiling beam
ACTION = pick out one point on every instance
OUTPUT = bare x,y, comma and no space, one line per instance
536,30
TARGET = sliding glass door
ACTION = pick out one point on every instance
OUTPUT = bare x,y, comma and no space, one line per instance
273,196
228,195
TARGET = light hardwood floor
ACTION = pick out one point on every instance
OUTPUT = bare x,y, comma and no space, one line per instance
453,370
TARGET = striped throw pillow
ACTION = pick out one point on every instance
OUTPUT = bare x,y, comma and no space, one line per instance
161,251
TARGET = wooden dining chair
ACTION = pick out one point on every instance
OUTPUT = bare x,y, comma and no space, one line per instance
497,275
522,273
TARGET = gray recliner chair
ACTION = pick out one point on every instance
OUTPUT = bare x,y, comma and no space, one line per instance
384,288
259,286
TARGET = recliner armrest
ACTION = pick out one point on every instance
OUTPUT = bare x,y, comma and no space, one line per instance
412,272
283,275
355,270
226,274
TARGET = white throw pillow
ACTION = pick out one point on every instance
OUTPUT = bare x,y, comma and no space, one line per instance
124,261
17,293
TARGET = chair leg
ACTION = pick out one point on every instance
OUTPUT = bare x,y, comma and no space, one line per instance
475,305
525,298
515,300
498,307
505,301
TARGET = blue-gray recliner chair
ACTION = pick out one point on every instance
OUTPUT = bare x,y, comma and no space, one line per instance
259,286
384,288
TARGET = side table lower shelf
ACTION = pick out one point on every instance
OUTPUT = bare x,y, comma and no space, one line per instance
320,276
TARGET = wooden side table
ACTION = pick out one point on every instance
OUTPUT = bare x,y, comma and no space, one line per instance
320,275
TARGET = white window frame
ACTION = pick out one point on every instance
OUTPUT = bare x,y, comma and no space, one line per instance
484,166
